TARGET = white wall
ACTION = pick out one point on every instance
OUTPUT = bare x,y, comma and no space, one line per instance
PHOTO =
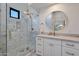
71,10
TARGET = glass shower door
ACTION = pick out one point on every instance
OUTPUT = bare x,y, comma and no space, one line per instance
17,33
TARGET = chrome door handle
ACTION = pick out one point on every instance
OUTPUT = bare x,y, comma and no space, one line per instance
10,35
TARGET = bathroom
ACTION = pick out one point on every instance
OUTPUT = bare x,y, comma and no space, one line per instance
39,29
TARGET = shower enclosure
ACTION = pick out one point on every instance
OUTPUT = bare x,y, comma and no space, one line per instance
17,36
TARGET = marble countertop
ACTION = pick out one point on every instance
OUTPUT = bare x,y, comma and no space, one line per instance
70,38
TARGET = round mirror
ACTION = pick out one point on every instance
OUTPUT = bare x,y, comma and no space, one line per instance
56,21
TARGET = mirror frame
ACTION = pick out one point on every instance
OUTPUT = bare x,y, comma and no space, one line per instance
65,25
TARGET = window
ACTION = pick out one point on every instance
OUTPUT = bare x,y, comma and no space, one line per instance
14,13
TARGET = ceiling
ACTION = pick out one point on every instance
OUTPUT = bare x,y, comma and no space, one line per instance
41,6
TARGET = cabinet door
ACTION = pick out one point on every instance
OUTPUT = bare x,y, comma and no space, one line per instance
51,49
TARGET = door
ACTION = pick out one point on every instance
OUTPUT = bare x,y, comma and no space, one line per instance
51,49
17,31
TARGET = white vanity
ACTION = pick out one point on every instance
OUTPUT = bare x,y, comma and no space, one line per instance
47,45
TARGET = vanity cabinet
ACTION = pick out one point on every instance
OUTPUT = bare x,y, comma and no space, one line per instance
52,47
48,47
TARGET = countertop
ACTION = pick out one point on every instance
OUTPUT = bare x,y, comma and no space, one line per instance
69,38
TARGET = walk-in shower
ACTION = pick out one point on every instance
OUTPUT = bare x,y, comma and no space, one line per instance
17,35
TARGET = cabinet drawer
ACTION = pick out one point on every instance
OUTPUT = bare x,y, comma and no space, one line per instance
39,51
39,45
39,40
53,41
70,44
69,52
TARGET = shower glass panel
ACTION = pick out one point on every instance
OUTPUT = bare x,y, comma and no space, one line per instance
33,26
35,29
3,44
